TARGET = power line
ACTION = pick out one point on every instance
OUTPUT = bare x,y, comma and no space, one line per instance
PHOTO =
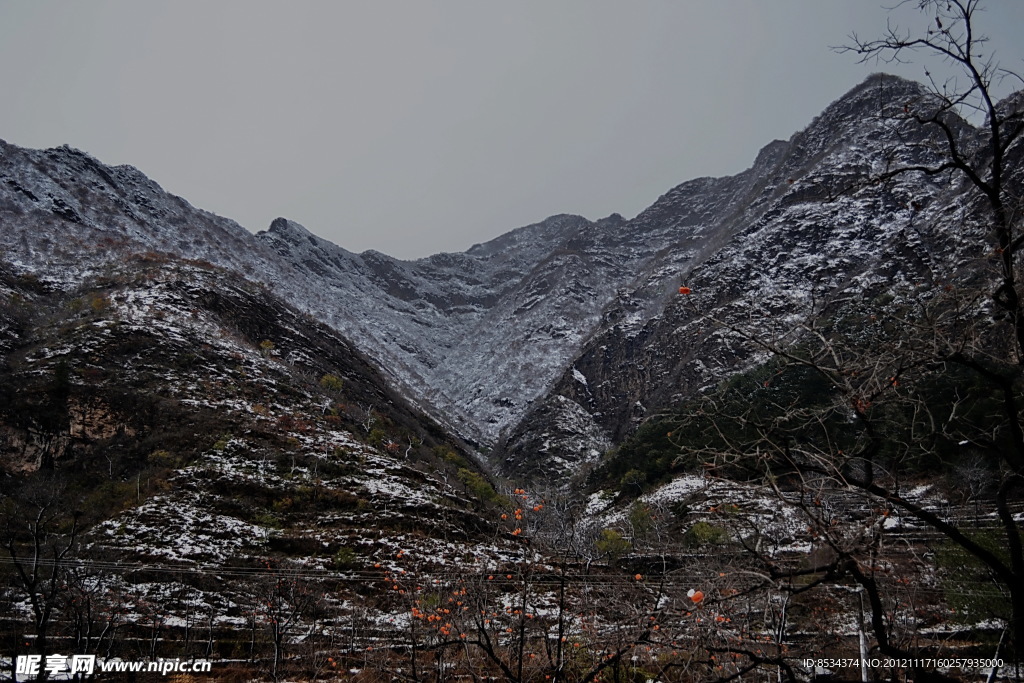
387,575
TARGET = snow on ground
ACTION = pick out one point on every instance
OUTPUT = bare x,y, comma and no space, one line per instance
179,529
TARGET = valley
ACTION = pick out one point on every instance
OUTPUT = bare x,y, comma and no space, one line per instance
773,415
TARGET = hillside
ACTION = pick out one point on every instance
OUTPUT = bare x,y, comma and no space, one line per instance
171,421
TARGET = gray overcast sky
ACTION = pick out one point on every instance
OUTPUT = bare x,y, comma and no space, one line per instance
416,126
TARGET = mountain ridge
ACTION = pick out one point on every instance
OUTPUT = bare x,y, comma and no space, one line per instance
812,231
204,402
475,338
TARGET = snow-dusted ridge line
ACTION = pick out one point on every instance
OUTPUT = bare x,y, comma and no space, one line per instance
770,247
478,338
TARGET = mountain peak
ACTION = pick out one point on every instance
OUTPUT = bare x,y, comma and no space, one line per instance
613,220
284,226
877,93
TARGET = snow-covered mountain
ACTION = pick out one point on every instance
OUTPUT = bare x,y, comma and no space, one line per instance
207,442
471,337
800,234
231,426
574,325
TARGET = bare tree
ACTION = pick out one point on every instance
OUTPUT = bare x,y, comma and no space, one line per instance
844,421
950,36
40,536
93,609
845,424
991,170
286,602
